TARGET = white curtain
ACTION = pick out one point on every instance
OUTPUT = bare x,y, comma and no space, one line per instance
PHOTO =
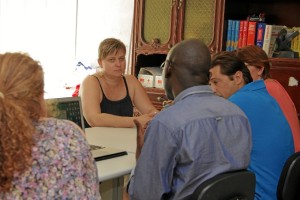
46,30
61,33
100,19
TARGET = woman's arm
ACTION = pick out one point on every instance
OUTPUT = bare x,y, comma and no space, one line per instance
139,96
91,96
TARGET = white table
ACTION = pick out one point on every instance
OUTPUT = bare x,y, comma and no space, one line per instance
115,168
121,138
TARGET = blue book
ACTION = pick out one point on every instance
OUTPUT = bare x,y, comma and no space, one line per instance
260,32
229,35
236,32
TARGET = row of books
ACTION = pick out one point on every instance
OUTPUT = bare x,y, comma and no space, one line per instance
242,33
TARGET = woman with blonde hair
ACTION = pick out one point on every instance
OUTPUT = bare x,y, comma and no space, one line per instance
108,96
40,158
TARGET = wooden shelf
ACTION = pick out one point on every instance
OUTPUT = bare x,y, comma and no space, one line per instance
157,96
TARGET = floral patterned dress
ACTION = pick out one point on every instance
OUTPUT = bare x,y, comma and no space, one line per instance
62,168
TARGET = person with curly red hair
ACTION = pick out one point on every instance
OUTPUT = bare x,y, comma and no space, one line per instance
40,158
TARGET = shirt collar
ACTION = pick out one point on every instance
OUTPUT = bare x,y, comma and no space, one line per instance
255,85
201,89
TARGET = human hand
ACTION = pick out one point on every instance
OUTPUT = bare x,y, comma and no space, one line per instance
141,123
140,136
144,119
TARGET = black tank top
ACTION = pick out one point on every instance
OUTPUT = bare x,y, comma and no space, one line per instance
123,107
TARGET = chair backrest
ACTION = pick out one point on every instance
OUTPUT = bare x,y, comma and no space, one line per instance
66,108
227,186
289,182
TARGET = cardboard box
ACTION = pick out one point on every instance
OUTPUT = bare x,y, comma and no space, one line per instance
146,80
151,77
158,82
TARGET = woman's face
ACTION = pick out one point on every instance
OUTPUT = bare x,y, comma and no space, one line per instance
114,64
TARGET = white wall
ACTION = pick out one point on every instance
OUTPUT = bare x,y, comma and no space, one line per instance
60,33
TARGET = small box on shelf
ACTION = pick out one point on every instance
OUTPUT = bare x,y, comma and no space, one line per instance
146,80
158,82
151,77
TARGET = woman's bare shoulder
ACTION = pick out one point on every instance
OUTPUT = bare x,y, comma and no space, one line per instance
89,84
91,79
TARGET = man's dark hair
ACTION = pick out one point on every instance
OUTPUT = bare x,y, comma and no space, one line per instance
229,64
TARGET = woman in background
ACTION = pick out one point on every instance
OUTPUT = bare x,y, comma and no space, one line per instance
108,96
40,158
259,66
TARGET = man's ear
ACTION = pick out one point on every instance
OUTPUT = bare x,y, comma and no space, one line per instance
168,72
238,78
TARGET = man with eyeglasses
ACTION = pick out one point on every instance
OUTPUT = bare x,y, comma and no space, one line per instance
197,137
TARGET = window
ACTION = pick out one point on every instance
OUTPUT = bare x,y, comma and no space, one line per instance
61,33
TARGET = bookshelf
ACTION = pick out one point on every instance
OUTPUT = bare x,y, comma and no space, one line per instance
277,12
281,12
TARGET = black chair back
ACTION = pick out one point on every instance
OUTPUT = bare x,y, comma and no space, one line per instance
235,185
289,183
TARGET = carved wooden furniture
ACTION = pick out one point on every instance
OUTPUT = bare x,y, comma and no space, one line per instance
159,25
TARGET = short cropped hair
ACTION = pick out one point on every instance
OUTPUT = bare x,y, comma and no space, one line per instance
109,46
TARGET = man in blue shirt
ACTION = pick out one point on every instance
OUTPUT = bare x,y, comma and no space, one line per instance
197,137
271,135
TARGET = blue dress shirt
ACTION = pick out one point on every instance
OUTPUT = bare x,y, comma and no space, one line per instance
199,136
271,136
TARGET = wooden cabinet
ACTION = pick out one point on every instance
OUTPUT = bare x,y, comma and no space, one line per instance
154,26
157,96
160,24
201,19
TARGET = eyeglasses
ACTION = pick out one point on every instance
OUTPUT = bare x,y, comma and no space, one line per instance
167,63
163,65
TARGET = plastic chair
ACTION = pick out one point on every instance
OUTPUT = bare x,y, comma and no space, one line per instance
235,185
289,183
